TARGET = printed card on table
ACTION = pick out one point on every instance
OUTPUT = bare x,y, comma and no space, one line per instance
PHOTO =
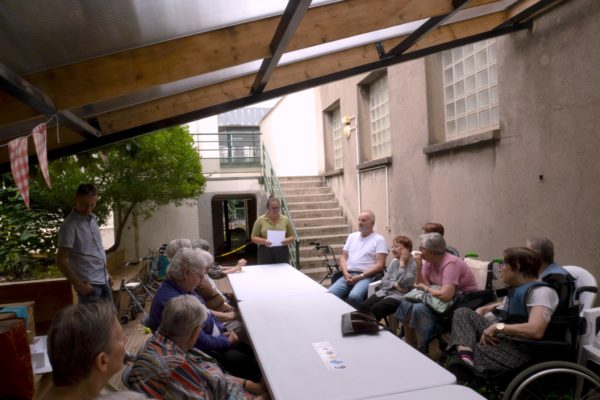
329,357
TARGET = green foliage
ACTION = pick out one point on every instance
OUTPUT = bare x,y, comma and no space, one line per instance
133,177
26,241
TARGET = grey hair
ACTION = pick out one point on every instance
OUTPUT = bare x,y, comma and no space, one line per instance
78,333
177,244
370,213
181,316
188,260
201,244
434,242
543,247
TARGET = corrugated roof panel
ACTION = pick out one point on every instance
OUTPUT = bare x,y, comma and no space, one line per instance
250,116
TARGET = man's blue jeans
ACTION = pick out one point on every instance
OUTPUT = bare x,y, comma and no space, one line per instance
356,293
101,293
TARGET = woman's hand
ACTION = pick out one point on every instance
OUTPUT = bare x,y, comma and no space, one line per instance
241,263
404,257
267,243
488,337
421,286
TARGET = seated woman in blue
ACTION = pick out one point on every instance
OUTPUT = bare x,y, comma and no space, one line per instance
186,271
484,338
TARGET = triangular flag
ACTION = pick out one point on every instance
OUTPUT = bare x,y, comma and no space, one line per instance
39,139
19,164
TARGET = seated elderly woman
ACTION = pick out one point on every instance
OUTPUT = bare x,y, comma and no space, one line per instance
399,278
450,275
86,347
207,289
168,366
484,341
212,298
186,271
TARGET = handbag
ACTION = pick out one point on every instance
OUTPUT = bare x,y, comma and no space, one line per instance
437,305
356,322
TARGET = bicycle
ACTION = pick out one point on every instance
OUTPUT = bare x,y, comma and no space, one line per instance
329,261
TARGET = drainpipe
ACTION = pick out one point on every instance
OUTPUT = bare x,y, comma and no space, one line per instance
357,170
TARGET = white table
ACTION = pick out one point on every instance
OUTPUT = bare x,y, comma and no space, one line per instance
449,392
283,330
270,281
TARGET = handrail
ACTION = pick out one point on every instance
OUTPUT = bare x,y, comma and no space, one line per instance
272,186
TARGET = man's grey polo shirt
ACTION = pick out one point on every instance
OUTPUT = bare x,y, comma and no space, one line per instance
81,234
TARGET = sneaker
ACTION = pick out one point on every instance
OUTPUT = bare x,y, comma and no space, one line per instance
463,371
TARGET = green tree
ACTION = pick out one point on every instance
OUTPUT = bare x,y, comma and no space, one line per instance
24,240
133,178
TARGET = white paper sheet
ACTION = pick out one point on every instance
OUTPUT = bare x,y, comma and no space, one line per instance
39,355
275,237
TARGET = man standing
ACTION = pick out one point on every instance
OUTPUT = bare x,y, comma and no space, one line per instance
81,257
364,257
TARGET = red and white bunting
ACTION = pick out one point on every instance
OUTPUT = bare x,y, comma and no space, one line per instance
19,164
39,139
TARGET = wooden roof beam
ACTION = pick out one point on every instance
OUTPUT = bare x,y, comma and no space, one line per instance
290,20
118,74
283,76
37,100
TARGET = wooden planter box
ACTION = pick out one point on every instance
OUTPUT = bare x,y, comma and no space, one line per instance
49,295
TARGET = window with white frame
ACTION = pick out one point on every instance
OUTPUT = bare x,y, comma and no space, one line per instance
470,88
336,128
379,113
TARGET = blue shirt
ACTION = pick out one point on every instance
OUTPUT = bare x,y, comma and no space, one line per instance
206,342
553,268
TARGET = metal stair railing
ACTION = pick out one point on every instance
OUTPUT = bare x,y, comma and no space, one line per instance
272,186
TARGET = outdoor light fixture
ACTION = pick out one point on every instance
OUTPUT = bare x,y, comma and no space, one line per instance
347,122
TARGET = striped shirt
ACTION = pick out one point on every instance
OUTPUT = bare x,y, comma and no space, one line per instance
162,370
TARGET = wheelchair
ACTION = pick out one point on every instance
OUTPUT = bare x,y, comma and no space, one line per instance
553,372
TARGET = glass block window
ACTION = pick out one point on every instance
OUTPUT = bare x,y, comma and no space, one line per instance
470,88
380,118
336,128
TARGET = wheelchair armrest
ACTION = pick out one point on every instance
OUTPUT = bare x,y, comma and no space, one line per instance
373,286
585,289
545,347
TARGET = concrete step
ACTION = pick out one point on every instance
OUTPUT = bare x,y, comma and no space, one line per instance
315,273
323,230
300,178
317,205
309,251
320,213
323,239
322,221
309,198
310,190
302,184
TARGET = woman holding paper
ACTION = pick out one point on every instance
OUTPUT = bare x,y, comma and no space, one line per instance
272,232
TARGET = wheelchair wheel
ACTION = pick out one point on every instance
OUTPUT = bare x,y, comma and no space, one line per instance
554,380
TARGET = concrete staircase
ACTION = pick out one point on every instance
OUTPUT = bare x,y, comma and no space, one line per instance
317,217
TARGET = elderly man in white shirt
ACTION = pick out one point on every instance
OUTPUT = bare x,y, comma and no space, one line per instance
363,257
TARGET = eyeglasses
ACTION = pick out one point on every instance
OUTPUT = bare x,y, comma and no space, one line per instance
274,208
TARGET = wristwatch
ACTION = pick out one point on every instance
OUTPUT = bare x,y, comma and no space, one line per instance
500,326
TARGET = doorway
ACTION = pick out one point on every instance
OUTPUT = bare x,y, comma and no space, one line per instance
233,217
